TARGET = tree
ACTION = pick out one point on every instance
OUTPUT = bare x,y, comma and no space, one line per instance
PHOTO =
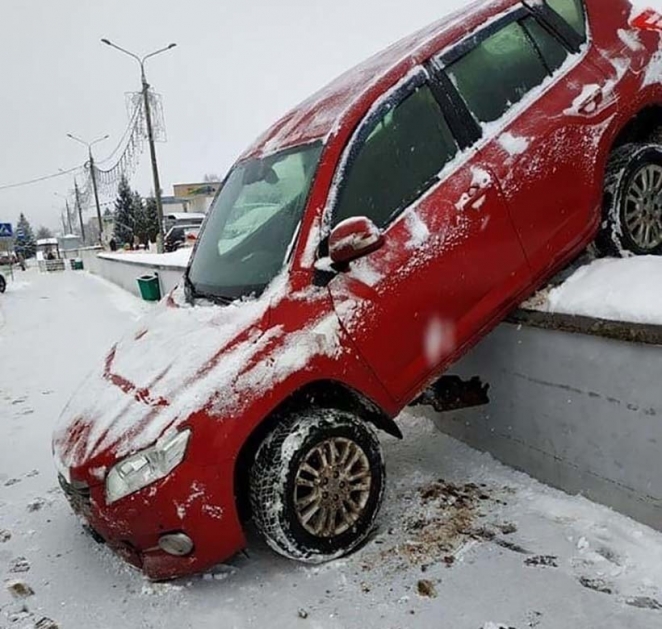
92,230
125,218
151,219
25,244
44,232
211,178
141,227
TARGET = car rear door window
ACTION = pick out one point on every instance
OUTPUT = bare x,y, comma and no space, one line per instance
498,73
572,11
402,154
553,52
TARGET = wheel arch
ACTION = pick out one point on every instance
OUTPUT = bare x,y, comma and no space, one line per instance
642,127
320,393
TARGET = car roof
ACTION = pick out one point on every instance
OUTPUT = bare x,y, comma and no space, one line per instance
186,216
323,113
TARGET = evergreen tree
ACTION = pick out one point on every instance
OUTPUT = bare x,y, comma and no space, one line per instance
26,243
140,214
151,219
125,218
44,232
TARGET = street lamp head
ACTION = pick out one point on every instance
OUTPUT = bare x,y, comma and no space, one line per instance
106,41
171,46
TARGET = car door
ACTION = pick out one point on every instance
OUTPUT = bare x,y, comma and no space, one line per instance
539,111
450,247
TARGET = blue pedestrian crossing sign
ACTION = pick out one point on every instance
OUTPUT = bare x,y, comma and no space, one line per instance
6,230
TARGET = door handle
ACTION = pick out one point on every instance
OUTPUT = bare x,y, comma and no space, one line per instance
591,103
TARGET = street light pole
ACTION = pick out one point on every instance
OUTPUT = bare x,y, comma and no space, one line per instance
94,175
150,132
66,203
80,212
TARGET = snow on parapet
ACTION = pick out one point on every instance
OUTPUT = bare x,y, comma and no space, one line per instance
614,289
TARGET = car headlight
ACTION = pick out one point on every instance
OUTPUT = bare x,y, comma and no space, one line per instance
147,466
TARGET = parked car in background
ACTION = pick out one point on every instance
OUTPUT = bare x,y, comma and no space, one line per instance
7,258
181,236
177,219
357,250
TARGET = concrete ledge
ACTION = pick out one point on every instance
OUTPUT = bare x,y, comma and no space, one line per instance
125,272
573,405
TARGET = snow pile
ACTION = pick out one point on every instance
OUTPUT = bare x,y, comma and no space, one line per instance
616,289
179,258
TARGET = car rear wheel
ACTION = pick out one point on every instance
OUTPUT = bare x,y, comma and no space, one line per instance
317,484
632,220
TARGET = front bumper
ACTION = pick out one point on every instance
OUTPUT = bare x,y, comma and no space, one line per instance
196,501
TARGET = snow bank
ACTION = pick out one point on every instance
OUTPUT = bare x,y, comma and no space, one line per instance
615,289
176,258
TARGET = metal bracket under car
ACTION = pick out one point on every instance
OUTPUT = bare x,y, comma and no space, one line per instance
451,393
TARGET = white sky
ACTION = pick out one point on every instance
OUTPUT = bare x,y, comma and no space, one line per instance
237,67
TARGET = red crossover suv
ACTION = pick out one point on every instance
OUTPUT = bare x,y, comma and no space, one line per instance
356,250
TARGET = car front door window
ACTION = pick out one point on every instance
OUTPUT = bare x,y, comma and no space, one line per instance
405,149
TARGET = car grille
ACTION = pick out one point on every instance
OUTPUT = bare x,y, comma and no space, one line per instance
78,494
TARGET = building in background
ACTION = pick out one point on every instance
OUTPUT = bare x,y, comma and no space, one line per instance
191,197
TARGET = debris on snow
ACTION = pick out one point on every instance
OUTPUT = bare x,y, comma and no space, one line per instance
546,561
36,504
426,589
597,584
19,589
644,602
5,536
18,565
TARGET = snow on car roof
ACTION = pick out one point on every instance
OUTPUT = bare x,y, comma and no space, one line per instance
320,115
185,216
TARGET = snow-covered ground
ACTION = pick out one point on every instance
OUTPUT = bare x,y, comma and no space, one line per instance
463,541
611,288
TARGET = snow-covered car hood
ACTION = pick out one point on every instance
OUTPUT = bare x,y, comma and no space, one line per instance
181,360
161,372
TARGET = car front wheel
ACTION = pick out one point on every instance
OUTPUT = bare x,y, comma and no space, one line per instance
317,484
632,220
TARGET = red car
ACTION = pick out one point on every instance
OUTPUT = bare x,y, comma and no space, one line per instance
356,250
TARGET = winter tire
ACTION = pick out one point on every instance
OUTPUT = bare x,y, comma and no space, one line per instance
632,219
317,484
3,284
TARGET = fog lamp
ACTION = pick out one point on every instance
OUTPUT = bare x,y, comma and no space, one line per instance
178,544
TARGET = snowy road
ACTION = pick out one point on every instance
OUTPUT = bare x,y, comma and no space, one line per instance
484,548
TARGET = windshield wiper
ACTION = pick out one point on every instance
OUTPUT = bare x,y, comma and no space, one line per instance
192,294
189,289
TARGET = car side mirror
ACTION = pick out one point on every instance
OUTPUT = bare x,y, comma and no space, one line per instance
354,238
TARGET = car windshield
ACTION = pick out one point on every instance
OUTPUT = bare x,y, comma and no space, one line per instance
252,224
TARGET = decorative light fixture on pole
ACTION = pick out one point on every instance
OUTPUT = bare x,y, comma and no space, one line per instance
150,133
93,173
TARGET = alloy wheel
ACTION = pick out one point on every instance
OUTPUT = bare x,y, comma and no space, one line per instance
332,487
642,212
